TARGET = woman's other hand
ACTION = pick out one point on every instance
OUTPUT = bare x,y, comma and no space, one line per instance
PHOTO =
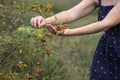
53,30
37,22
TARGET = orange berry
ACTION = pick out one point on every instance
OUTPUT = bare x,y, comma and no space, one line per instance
19,44
61,27
10,43
22,11
29,77
40,12
48,52
38,70
48,34
48,8
65,26
14,2
38,63
58,28
33,6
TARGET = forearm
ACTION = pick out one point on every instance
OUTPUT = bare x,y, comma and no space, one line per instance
82,9
62,17
109,21
89,29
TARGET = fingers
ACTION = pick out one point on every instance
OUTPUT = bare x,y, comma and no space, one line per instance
34,22
31,21
40,21
37,22
53,30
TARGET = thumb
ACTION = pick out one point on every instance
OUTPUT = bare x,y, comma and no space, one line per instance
42,24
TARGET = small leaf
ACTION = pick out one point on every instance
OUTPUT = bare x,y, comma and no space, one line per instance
1,5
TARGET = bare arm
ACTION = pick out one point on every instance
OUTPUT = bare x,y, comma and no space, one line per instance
109,21
77,12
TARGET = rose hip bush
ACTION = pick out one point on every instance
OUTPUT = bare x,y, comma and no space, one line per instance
24,51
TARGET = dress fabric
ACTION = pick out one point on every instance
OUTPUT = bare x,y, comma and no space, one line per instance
106,60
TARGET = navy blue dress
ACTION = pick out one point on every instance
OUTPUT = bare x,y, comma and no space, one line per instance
106,61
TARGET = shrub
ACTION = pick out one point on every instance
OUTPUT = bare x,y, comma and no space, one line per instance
24,51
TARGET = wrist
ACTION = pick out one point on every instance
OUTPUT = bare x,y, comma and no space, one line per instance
51,20
66,32
48,21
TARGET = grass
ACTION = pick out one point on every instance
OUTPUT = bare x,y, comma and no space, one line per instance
60,3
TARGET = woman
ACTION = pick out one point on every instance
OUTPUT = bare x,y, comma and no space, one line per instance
106,61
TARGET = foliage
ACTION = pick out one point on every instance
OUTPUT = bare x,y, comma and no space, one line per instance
23,50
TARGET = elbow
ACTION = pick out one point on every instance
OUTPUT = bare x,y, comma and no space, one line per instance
108,23
73,14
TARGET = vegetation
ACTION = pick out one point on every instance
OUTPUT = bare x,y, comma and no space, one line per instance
27,53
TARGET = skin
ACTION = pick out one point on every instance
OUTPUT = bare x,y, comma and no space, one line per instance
77,12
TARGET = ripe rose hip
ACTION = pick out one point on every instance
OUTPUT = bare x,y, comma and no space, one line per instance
65,26
19,44
48,52
61,27
33,6
22,11
58,28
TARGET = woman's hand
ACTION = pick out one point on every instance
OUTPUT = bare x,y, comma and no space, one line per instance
37,21
53,30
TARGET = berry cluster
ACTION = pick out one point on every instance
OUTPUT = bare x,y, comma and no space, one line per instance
61,27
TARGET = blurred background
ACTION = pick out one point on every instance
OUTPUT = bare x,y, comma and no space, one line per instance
66,4
27,53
